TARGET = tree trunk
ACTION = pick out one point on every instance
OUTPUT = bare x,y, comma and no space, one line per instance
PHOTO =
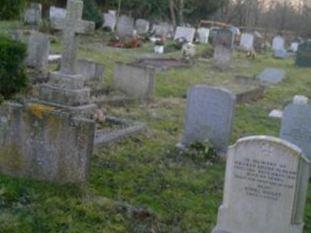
172,11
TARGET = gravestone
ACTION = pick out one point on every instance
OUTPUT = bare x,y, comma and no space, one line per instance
294,47
223,37
280,53
33,14
90,71
110,20
296,125
135,81
265,187
57,15
222,57
38,52
203,35
209,117
303,58
66,88
125,26
278,43
163,30
271,76
142,26
186,33
247,41
39,142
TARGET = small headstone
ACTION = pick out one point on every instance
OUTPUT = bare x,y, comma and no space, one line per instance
135,81
90,71
271,76
33,14
142,26
265,187
247,41
280,53
163,30
303,57
110,20
57,14
294,47
38,51
222,57
278,43
209,117
186,33
125,26
203,35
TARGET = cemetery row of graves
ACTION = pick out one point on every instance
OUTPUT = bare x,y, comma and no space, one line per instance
107,139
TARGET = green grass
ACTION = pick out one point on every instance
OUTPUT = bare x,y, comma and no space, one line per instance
177,192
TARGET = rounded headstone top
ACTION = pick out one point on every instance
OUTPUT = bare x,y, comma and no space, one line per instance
300,100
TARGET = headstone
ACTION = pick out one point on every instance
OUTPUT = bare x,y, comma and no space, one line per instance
57,15
258,42
163,30
186,33
209,117
142,26
90,71
294,47
271,76
300,99
224,38
296,125
265,187
278,43
110,20
303,57
247,41
125,26
203,35
135,81
39,142
280,53
65,88
38,51
33,14
222,57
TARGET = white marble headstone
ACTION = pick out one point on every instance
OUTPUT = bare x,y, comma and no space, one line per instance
278,43
185,32
110,20
247,41
203,35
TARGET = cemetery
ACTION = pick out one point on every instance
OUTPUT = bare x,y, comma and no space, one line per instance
125,121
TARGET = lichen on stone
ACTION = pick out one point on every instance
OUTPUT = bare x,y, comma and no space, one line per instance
40,110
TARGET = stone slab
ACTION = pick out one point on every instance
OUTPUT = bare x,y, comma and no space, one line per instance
271,76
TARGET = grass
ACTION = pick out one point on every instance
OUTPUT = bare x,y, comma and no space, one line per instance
143,184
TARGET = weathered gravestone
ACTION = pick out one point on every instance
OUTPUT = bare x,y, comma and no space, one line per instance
110,20
265,187
66,88
38,52
271,76
224,37
39,142
223,46
209,117
203,35
247,41
57,15
90,71
296,126
278,43
163,30
135,81
303,58
125,26
33,14
142,26
185,33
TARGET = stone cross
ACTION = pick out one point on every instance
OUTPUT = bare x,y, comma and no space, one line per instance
72,24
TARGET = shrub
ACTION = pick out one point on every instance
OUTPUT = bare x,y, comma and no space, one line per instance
13,78
11,9
92,13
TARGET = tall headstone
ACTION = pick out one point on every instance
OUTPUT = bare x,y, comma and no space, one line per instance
186,33
265,187
296,125
110,20
223,48
209,117
303,57
203,35
142,26
224,37
125,26
278,43
247,41
33,14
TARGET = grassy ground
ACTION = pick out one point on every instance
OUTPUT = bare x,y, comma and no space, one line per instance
143,184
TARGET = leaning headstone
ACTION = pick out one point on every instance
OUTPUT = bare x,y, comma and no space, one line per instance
278,43
265,187
110,20
142,26
38,51
209,117
33,14
203,35
247,41
57,15
42,143
296,125
303,57
90,71
271,76
135,81
185,33
125,26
